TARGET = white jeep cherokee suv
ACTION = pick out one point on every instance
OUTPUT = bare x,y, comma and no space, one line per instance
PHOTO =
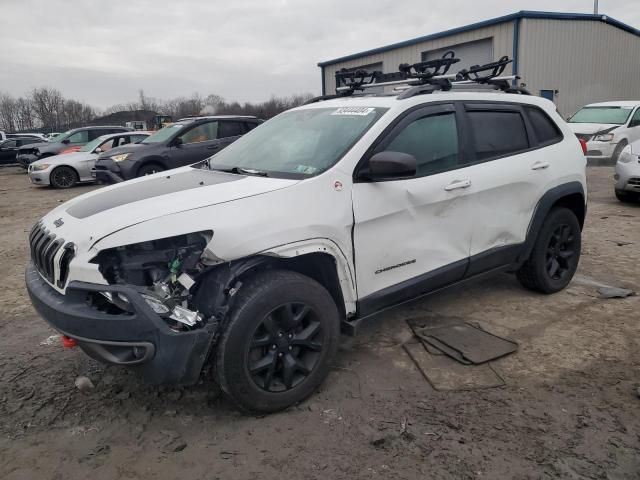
253,261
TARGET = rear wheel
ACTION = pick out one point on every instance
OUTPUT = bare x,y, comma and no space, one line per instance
282,333
555,255
150,169
63,177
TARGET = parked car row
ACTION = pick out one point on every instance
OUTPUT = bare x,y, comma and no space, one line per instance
111,154
67,169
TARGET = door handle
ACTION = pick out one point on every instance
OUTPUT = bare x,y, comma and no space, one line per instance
540,166
213,147
458,184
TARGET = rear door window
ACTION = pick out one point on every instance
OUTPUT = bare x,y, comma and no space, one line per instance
544,128
230,129
497,133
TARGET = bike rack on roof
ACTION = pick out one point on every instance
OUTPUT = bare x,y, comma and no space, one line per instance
427,77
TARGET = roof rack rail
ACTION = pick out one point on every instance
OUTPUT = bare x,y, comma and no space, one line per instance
427,77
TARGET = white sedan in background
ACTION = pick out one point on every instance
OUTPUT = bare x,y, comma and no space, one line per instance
68,169
627,176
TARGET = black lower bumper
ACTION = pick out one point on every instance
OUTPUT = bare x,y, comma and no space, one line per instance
107,171
140,340
24,160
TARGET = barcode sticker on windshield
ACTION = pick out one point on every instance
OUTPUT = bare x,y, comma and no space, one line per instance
354,111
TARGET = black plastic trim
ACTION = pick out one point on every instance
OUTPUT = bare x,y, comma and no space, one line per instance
542,210
412,288
178,357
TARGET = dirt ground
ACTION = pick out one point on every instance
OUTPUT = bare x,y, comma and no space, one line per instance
568,409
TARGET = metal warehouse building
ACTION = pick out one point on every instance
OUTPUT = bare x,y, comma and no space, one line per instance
573,59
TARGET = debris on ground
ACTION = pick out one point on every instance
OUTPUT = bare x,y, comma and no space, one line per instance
84,384
51,340
614,292
465,343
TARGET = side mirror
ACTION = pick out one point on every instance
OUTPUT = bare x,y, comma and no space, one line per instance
634,123
66,140
97,150
390,165
177,142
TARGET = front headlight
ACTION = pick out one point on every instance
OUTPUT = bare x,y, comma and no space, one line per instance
121,157
625,157
41,166
607,137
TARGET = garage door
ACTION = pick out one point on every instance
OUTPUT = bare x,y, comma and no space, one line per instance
477,52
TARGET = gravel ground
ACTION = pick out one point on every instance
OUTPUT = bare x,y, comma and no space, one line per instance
568,409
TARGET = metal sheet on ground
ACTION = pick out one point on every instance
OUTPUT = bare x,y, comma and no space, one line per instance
475,344
462,341
445,374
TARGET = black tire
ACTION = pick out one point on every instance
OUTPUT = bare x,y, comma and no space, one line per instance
63,177
618,150
555,255
263,348
149,169
626,197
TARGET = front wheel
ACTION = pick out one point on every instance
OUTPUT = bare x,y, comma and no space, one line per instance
555,255
149,169
63,177
282,333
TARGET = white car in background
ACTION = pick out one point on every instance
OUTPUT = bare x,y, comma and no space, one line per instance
627,176
607,127
65,170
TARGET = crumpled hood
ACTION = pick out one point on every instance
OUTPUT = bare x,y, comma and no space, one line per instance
591,128
89,218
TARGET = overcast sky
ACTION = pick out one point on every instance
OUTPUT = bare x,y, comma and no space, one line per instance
103,51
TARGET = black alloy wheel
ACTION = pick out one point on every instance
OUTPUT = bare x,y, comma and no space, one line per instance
277,346
63,177
285,347
555,255
560,252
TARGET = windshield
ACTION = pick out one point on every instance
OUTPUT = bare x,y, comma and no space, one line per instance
299,143
613,115
92,144
61,136
163,134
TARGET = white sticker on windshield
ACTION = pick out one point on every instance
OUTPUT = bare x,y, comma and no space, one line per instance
354,111
626,108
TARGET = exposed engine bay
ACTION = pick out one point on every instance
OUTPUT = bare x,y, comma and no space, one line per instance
166,271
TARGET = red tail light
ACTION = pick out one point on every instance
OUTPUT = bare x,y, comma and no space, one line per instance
70,150
583,144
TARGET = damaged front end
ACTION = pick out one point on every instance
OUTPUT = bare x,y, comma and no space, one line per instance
164,272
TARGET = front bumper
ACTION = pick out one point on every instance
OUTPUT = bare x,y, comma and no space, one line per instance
107,171
25,159
627,176
140,340
40,177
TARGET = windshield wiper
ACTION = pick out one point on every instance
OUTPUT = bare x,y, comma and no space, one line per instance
241,171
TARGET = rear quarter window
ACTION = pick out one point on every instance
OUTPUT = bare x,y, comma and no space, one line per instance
545,129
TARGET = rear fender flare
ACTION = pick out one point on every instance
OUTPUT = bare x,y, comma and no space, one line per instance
544,206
